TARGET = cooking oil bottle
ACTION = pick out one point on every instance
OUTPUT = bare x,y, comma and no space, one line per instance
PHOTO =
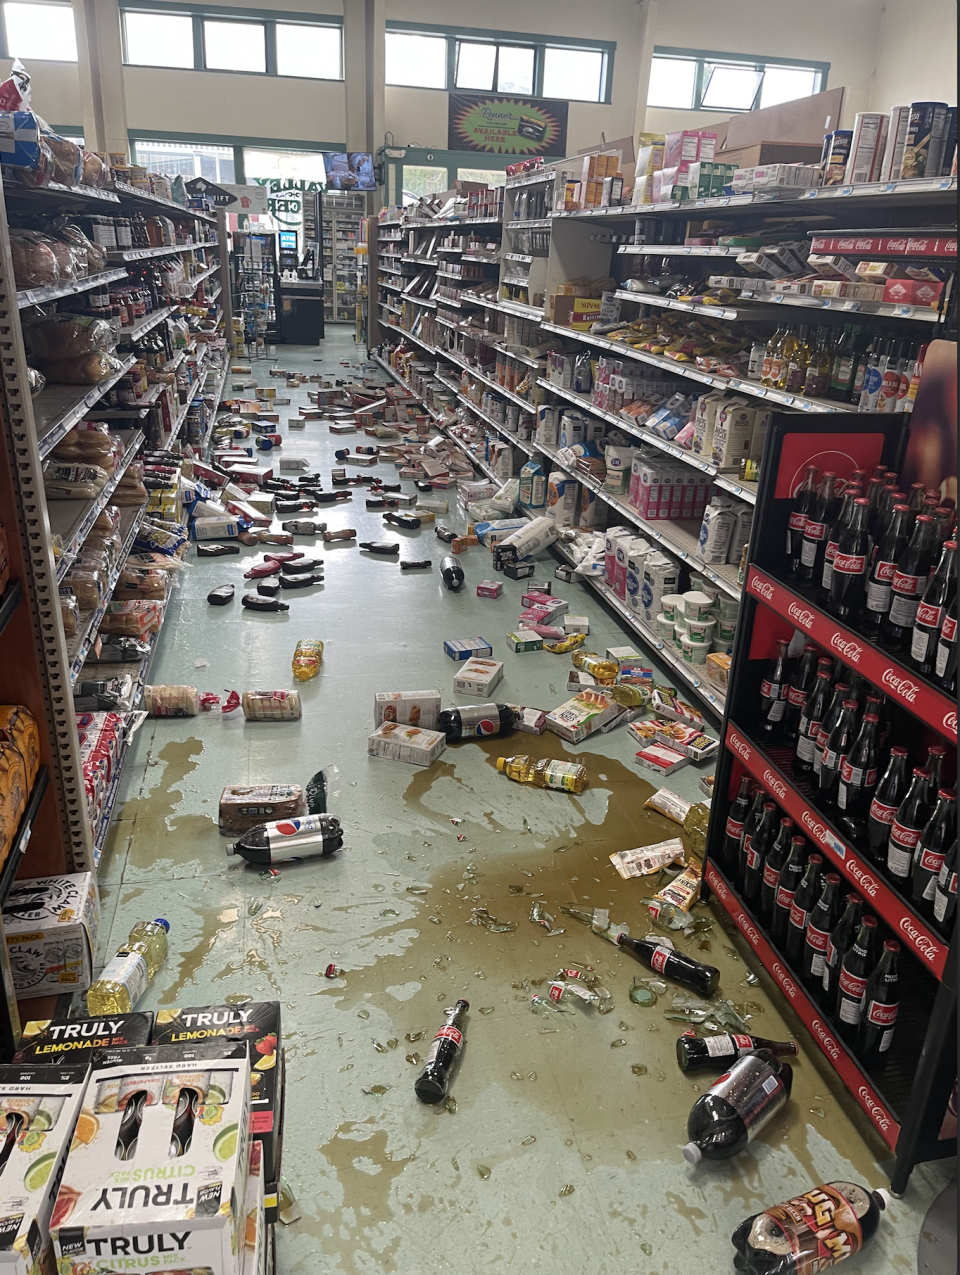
603,670
546,773
125,978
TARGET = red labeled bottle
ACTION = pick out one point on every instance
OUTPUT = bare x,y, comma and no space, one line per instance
848,577
750,825
881,1004
819,520
773,693
851,493
855,969
822,920
803,502
941,590
841,693
882,570
798,688
945,661
803,901
884,805
791,874
938,835
842,938
858,779
811,719
704,979
772,867
837,746
936,756
945,900
760,844
907,829
733,832
721,1052
908,585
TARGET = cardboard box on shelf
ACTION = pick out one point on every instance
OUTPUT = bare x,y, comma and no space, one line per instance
50,925
759,153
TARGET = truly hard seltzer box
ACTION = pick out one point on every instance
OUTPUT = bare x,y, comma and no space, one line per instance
258,1026
159,1180
53,1040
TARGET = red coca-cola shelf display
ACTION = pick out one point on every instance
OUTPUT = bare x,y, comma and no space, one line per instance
900,684
905,1101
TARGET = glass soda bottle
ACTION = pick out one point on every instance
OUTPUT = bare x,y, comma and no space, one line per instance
850,564
125,978
841,693
907,828
945,899
772,867
850,494
941,590
750,825
881,1003
760,844
733,830
791,874
431,1085
819,520
545,773
737,1106
945,661
884,805
803,502
822,920
801,907
721,1052
811,718
704,979
773,693
938,835
858,779
835,749
882,570
908,585
855,968
842,938
801,680
476,721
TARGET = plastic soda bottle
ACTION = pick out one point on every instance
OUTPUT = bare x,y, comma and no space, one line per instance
125,978
820,1228
307,659
546,773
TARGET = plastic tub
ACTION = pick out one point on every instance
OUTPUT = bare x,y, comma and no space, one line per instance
695,652
697,606
671,605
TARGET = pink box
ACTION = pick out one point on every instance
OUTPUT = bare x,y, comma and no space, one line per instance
489,589
912,292
689,144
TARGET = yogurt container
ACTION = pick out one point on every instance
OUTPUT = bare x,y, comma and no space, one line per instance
665,628
672,605
694,652
729,608
697,605
701,630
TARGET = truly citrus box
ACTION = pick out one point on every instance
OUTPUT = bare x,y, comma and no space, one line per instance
158,1180
50,925
258,1025
43,1102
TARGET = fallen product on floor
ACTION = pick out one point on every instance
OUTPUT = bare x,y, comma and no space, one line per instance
307,837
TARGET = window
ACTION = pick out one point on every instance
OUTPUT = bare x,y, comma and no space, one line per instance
435,58
688,80
158,39
187,160
215,39
491,176
419,181
40,31
291,178
312,52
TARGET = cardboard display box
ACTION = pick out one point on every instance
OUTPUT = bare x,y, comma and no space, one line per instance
50,925
582,715
411,744
71,1040
410,708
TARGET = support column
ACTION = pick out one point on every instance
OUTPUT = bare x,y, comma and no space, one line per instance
100,64
364,25
647,12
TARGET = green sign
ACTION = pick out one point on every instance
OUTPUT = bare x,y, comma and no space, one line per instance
506,125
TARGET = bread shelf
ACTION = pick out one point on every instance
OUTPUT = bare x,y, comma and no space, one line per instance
40,296
72,520
57,408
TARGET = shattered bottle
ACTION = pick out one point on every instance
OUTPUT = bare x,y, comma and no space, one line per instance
302,838
737,1106
820,1228
431,1085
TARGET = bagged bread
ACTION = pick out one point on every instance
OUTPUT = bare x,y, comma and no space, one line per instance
69,610
171,701
35,263
19,727
133,619
13,795
67,336
87,369
271,706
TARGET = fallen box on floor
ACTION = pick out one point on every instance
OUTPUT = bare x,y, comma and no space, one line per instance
258,1026
467,648
186,1210
52,1040
244,806
489,589
533,721
50,925
582,715
411,744
524,640
410,708
478,677
576,624
660,759
253,1254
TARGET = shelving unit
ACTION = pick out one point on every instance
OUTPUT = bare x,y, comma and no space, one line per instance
343,215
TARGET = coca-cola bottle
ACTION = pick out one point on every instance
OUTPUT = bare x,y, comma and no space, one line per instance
773,693
791,874
760,844
881,1002
938,835
841,694
811,719
772,867
850,494
803,502
945,660
882,570
431,1084
818,523
841,939
941,590
838,744
736,1107
801,680
907,828
750,825
945,899
672,964
721,1052
855,969
858,779
733,832
916,496
884,805
936,756
908,584
850,564
803,900
823,918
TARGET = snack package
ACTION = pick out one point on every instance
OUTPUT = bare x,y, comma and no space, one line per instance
271,706
244,806
679,896
646,859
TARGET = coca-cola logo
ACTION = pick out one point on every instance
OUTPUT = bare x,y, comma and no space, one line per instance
849,649
763,589
830,1046
818,830
950,722
784,979
718,885
923,943
801,615
880,1117
903,686
747,930
774,784
740,746
865,881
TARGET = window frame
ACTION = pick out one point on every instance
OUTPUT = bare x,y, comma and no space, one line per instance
268,19
516,39
705,58
56,4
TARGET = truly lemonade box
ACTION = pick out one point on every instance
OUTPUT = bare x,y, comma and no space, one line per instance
51,1040
43,1104
258,1026
159,1179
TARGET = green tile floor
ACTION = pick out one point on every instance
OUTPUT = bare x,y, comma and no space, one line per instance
385,1183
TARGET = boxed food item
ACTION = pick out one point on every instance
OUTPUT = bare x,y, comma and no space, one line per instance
581,716
52,1040
467,648
489,589
478,677
180,1117
688,740
921,292
50,925
576,624
660,759
243,806
410,708
256,1025
253,1254
411,744
41,1105
533,721
522,640
665,702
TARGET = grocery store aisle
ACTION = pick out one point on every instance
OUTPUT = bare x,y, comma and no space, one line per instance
562,1153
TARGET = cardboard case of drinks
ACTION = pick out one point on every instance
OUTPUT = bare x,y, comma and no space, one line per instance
153,1176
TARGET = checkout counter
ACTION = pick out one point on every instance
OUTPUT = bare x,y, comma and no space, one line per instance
300,301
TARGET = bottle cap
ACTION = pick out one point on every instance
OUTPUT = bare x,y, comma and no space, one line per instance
160,921
692,1153
882,1197
231,849
501,763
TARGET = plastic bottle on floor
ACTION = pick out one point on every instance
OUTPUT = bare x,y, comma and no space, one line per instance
546,773
125,978
737,1106
820,1228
